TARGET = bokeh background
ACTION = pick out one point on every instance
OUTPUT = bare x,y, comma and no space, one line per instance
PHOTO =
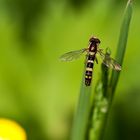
40,92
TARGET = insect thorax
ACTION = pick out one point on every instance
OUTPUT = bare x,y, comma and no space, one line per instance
93,47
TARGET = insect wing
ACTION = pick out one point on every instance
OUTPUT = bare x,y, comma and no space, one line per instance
109,62
73,55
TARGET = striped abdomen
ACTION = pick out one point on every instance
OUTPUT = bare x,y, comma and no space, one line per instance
89,69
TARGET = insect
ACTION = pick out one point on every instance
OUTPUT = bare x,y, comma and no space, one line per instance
91,52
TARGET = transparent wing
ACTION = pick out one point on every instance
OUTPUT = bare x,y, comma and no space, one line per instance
73,55
109,62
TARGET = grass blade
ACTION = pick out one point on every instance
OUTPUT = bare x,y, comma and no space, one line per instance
102,102
100,105
122,43
104,92
81,118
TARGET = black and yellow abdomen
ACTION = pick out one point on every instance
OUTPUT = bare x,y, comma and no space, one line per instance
89,69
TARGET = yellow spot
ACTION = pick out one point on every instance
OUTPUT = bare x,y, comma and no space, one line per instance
89,69
89,77
10,130
91,53
90,61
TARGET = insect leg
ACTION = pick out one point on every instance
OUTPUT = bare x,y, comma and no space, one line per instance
96,60
86,59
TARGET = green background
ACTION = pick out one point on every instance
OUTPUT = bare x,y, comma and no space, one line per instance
39,91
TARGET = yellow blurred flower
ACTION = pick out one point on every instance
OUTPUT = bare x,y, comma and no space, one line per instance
10,130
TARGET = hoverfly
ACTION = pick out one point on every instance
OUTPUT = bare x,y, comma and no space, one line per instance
91,51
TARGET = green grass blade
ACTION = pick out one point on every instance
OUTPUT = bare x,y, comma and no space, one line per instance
103,97
122,43
104,92
81,119
100,106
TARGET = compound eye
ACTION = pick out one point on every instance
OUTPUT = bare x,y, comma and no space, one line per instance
98,41
91,39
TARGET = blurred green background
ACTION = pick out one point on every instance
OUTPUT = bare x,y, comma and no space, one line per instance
39,91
